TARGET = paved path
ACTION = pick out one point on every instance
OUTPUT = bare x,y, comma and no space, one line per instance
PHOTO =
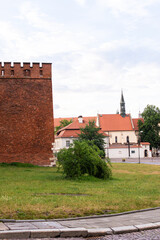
81,227
153,161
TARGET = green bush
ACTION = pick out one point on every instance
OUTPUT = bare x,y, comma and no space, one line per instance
81,158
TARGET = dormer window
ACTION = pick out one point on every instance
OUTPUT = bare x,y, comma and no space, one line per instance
27,73
2,73
41,73
12,72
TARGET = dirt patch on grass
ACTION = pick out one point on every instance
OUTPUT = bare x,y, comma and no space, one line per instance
63,194
123,171
156,173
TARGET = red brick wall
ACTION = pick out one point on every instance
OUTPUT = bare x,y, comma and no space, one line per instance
26,113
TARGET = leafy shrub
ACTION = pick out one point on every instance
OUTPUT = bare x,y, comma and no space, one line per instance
81,158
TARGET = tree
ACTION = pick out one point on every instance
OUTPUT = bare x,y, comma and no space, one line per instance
150,129
91,134
63,123
81,158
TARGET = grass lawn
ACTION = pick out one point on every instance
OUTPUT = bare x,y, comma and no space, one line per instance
42,192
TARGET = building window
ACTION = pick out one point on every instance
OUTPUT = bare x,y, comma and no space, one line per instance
27,72
132,151
12,72
41,73
116,139
127,139
2,73
67,143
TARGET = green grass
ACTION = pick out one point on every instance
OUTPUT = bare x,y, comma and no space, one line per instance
39,192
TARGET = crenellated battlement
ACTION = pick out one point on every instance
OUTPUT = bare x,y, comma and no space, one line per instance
25,70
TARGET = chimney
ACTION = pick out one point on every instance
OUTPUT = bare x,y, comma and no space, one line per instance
80,119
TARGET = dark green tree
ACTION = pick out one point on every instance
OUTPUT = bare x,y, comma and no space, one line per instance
63,123
91,134
149,130
81,158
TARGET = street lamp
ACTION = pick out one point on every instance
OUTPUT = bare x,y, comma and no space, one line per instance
139,141
128,146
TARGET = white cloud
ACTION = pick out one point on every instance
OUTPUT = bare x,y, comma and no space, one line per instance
84,80
93,84
32,14
42,37
115,44
81,2
134,8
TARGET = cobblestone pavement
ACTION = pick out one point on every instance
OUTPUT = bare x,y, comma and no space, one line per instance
144,235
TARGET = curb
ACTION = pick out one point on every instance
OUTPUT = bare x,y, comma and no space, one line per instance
78,218
104,215
75,232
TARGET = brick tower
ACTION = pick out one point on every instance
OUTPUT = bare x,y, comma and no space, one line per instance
26,113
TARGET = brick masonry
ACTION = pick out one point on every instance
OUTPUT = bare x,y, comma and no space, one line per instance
26,113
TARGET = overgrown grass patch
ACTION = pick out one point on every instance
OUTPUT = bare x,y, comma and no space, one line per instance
42,192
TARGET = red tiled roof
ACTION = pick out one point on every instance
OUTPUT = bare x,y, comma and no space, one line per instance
57,120
145,143
115,122
73,129
68,134
135,123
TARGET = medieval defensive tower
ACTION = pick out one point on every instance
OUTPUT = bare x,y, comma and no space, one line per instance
26,113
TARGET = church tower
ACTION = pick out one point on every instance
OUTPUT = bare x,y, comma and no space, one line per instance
122,106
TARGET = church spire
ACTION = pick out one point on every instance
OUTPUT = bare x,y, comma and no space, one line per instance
122,106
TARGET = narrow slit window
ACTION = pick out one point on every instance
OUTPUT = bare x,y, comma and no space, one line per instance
2,73
41,73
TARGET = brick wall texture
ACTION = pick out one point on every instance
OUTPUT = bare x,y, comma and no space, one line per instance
26,113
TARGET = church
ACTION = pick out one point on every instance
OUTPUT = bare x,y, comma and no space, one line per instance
120,130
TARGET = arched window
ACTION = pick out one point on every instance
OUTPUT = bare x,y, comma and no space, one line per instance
116,139
27,72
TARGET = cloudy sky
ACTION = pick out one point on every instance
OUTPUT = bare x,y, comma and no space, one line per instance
96,47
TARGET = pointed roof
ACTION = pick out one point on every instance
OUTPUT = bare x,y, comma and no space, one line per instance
122,98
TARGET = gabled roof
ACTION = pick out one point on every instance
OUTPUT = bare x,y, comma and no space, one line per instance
115,122
57,120
135,123
73,129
